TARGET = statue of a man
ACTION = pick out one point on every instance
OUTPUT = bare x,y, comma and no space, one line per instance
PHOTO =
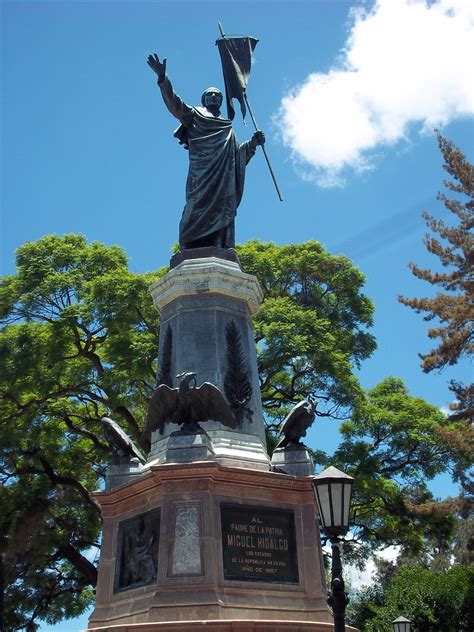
217,164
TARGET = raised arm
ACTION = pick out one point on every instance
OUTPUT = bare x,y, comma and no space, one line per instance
173,102
158,67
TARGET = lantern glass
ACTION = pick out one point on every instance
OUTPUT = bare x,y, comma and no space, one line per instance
333,494
337,492
322,495
401,625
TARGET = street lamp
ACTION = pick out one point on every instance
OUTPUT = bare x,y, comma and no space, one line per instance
401,625
333,494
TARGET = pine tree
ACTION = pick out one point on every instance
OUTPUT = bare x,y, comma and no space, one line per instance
453,306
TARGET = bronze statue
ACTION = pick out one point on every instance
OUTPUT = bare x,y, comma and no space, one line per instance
217,164
297,422
122,447
187,405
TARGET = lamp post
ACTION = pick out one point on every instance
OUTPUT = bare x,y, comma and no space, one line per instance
401,625
333,494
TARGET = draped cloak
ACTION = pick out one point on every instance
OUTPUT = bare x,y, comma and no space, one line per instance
216,173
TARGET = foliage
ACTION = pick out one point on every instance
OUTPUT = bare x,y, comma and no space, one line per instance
397,443
79,340
432,601
391,446
452,308
453,244
311,329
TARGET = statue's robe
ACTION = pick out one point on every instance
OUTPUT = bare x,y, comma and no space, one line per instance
216,174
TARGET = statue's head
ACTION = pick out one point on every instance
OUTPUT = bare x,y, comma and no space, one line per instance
209,97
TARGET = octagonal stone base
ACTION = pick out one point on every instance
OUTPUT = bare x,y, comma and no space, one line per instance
229,549
234,625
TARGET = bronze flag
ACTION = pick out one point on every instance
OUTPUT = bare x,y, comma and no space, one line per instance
236,57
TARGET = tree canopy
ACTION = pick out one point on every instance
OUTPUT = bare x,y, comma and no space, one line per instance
392,447
452,308
431,600
312,328
78,340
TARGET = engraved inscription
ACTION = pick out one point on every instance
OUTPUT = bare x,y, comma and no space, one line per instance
259,544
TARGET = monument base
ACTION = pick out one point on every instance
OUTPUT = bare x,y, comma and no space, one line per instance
186,447
202,545
202,253
226,447
120,473
294,460
234,625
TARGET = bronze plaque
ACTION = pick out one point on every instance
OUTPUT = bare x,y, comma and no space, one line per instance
137,554
259,544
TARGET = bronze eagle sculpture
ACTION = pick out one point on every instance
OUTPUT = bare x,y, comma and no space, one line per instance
187,405
297,422
122,447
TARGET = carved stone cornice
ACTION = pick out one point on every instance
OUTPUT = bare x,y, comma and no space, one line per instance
207,275
161,479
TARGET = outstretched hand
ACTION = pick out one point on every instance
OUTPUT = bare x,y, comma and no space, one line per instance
258,138
157,66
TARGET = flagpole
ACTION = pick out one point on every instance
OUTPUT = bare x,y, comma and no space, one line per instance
256,129
263,148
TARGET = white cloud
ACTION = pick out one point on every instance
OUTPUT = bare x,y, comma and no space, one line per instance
359,578
405,62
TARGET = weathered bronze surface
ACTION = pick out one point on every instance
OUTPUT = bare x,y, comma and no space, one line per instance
297,422
237,382
217,164
202,253
259,544
137,551
187,405
122,447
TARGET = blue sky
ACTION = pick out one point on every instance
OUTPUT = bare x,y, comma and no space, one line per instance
347,94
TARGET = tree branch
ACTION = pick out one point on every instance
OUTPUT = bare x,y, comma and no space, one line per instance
81,563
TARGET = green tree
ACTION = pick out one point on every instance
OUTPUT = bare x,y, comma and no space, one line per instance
312,328
79,340
392,447
432,601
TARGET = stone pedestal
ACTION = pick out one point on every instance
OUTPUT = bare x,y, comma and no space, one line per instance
186,447
228,549
206,306
235,625
204,536
294,460
118,474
